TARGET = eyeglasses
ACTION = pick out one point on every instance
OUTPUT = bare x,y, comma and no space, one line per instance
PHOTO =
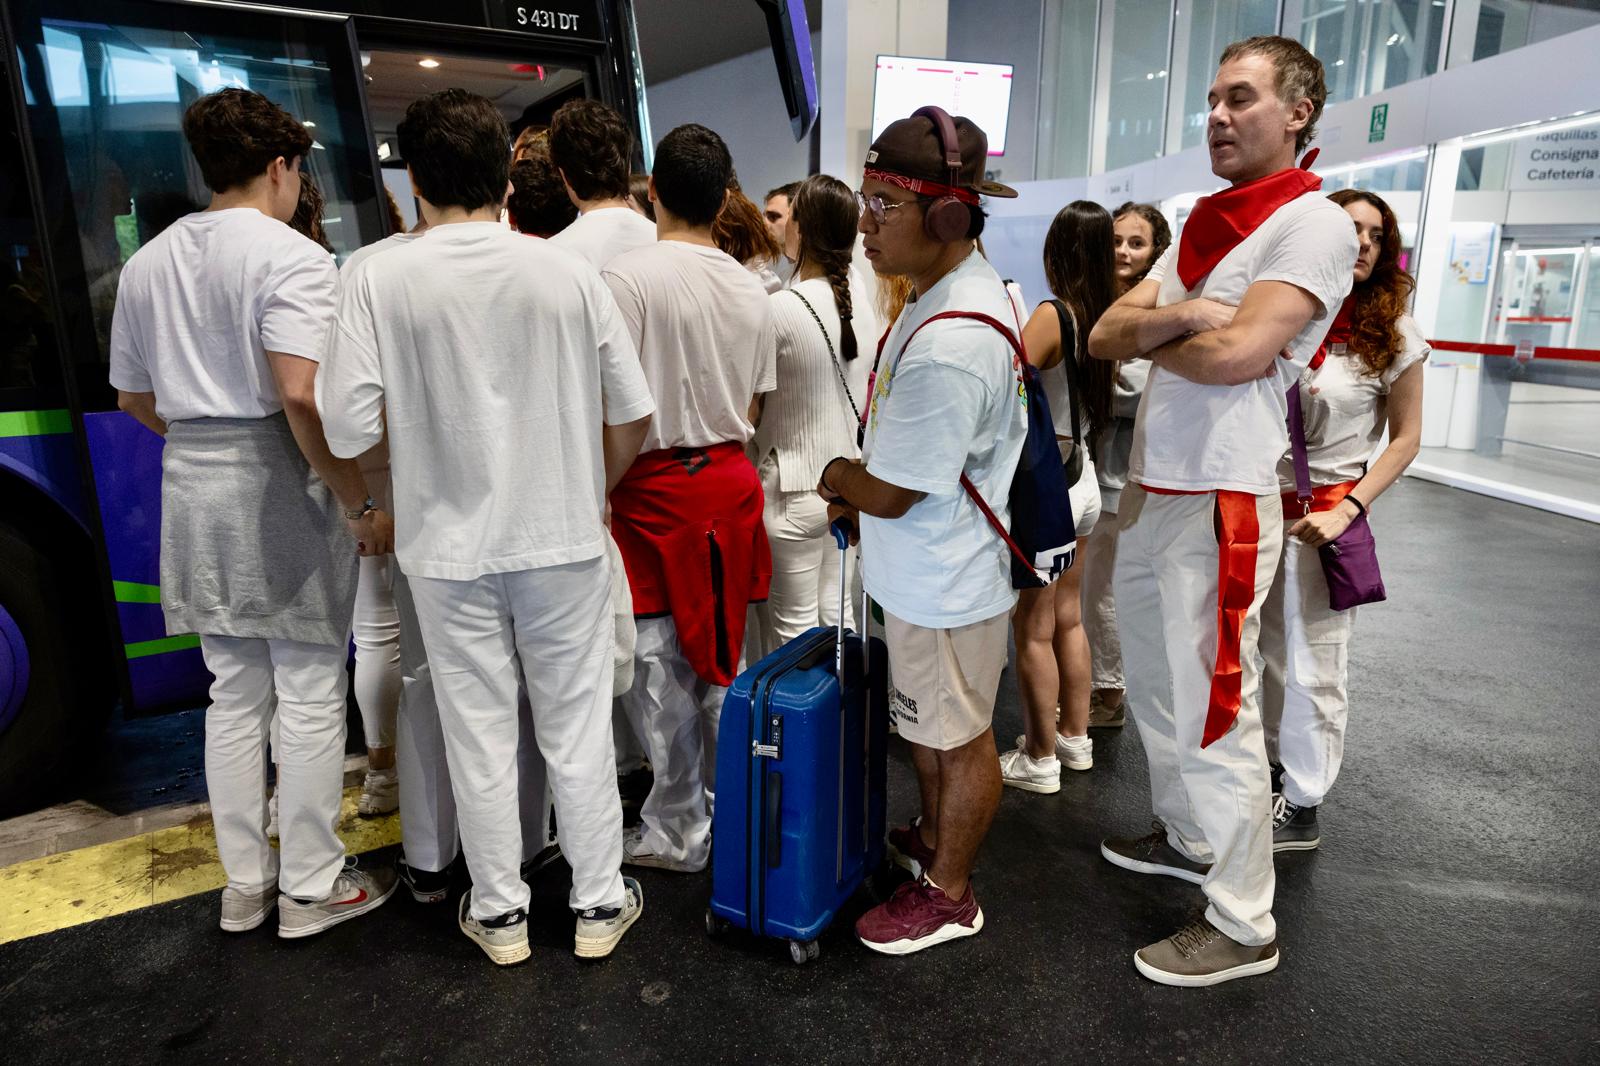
878,207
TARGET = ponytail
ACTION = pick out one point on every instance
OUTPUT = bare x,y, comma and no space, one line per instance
825,211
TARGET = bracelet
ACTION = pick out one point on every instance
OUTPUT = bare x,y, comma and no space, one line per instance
1359,505
367,507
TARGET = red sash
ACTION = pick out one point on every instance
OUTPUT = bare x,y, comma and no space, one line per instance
1220,221
1339,332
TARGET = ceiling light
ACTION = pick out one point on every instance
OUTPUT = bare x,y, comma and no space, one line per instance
366,60
383,150
1373,163
1529,129
308,124
1338,63
428,63
1394,38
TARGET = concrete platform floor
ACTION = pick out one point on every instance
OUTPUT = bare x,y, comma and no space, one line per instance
1450,916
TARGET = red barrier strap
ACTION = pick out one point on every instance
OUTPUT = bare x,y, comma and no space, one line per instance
1576,355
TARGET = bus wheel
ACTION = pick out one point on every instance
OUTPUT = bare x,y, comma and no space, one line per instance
35,708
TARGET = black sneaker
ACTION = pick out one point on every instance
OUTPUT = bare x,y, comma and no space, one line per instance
425,886
1294,828
634,786
1153,855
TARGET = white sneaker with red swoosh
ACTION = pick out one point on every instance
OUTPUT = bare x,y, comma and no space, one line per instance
355,892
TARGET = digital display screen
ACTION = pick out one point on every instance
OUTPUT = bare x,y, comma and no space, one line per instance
979,91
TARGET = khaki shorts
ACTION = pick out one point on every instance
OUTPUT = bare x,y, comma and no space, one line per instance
945,680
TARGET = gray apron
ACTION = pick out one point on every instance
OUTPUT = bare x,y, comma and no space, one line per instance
253,544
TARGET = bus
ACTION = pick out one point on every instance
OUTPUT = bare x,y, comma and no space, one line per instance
94,164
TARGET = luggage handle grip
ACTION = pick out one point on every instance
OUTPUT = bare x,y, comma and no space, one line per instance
842,529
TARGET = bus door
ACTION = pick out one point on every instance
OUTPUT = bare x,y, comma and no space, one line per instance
104,86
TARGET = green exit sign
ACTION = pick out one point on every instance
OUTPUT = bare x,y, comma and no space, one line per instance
1379,126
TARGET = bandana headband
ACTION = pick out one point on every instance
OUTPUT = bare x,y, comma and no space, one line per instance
922,187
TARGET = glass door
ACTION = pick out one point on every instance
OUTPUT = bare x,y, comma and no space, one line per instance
105,86
1537,287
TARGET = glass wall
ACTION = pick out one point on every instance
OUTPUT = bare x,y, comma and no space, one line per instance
1199,35
1485,28
1135,81
1368,47
1066,88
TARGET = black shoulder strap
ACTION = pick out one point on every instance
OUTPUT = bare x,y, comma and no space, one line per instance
1069,363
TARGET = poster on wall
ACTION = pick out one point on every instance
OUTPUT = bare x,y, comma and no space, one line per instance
1563,159
1471,249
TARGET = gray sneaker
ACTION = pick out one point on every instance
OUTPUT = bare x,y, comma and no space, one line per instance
1153,855
1294,828
1200,954
600,928
244,911
503,939
1103,717
355,892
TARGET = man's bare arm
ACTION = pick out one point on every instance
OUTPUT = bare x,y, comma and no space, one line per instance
1134,326
142,406
620,445
847,481
1269,317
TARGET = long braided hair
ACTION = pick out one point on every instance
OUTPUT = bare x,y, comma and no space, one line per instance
825,213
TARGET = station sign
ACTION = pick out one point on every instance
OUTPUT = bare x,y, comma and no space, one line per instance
573,19
1563,159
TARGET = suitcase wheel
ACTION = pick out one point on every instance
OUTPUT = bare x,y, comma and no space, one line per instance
715,924
803,951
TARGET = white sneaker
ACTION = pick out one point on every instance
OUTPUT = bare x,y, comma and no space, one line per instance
380,793
355,892
599,930
635,853
272,815
503,939
1018,769
244,911
1076,752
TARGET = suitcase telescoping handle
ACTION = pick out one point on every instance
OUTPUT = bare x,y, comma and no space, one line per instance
841,535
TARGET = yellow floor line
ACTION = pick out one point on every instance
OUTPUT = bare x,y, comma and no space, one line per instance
75,887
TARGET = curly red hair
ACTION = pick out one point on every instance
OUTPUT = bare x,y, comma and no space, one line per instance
1382,298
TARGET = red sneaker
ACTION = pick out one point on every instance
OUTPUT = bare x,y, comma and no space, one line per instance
907,851
919,915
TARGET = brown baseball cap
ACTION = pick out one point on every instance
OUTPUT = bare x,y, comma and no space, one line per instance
911,147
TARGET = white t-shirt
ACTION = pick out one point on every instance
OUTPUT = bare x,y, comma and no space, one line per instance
199,307
367,251
600,236
375,460
703,327
1345,410
1202,437
948,405
495,358
810,418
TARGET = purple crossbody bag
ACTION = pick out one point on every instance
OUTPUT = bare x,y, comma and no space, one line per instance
1350,561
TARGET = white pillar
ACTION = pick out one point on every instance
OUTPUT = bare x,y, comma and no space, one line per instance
1433,255
854,34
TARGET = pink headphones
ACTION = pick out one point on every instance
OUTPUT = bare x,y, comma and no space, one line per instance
947,219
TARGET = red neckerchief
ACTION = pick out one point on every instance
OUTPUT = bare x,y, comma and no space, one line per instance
1220,221
1339,332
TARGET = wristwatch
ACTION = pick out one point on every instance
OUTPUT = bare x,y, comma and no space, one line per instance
368,505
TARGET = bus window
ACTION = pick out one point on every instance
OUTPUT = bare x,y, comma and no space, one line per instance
114,86
30,373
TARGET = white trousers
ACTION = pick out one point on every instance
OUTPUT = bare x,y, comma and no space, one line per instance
1305,701
376,630
677,714
427,805
551,630
308,684
805,563
1099,604
1215,799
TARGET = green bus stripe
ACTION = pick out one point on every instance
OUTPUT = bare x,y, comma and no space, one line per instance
35,423
134,592
160,647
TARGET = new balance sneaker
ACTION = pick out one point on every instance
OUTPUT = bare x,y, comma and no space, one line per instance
380,793
1294,828
425,886
1103,717
1075,753
636,853
355,892
244,911
919,915
272,815
1200,954
504,939
1153,855
1018,769
906,849
600,928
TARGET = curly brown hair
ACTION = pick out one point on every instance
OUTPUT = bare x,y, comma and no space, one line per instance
740,229
1379,301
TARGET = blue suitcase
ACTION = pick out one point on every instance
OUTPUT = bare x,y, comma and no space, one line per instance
801,772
